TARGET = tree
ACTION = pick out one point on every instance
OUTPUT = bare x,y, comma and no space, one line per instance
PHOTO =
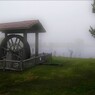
54,53
71,53
93,5
91,30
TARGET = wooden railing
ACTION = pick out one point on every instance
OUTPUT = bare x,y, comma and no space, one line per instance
43,58
10,65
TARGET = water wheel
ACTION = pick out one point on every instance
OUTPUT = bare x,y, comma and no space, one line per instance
14,47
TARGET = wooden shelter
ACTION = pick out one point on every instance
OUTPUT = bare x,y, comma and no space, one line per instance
24,27
14,49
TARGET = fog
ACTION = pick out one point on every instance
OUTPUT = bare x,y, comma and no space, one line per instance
67,25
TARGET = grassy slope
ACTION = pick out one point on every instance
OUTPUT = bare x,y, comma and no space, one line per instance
75,77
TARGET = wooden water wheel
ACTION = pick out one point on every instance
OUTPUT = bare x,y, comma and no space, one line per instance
14,47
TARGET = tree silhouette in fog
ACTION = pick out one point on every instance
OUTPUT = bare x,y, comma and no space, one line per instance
91,30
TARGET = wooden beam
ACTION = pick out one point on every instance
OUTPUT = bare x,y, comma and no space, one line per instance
36,44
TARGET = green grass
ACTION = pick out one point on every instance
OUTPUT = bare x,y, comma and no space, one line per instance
72,77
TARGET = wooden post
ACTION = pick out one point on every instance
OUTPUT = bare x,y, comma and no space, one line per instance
5,35
5,45
25,36
36,44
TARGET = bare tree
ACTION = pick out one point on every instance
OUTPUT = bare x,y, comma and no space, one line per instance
54,53
71,53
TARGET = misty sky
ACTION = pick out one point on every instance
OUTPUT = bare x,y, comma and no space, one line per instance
67,24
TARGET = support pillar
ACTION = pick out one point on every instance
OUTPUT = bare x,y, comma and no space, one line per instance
5,35
25,36
36,44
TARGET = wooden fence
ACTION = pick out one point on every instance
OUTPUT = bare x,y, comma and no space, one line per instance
43,58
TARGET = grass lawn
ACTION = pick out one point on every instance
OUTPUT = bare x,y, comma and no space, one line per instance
73,77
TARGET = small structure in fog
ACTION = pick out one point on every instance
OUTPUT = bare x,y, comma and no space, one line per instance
15,51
